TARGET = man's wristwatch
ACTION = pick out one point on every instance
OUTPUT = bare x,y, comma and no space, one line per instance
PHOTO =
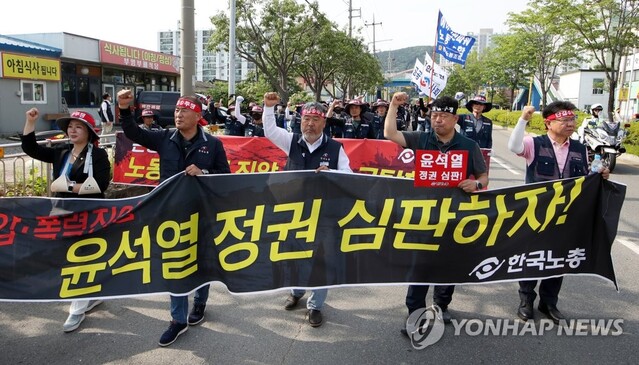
205,171
478,185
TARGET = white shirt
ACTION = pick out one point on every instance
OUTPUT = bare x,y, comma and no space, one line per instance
283,139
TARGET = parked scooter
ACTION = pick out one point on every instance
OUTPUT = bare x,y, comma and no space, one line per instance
606,139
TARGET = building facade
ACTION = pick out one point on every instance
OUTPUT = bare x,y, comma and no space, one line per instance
484,40
209,65
88,68
584,88
29,77
628,87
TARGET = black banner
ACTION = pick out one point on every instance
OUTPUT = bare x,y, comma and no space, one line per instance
259,232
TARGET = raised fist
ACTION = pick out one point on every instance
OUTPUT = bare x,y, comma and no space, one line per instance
271,99
32,114
527,112
124,97
399,98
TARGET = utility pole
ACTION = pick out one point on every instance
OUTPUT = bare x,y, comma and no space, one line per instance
373,24
232,48
187,57
351,16
350,35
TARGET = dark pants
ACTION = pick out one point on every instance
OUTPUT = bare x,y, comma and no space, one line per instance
548,290
416,296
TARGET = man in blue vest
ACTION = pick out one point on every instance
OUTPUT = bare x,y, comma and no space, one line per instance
358,121
310,150
380,107
443,138
548,157
476,126
233,126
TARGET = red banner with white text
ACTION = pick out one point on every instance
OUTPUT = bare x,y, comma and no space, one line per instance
137,165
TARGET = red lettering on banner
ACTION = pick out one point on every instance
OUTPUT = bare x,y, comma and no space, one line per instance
8,222
79,223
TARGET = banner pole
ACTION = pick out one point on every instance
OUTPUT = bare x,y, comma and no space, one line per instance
530,90
432,71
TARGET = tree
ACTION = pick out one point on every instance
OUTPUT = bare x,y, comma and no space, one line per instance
336,58
219,91
468,78
253,89
508,63
318,63
607,29
360,70
550,45
272,34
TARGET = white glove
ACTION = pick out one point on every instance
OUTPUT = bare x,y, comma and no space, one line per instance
239,99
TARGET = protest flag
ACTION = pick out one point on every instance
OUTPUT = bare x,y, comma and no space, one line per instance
453,46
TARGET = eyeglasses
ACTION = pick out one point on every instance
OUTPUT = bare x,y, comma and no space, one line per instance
566,120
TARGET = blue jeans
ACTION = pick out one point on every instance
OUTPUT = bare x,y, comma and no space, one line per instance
315,301
180,305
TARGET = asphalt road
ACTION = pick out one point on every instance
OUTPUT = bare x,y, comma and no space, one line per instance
361,323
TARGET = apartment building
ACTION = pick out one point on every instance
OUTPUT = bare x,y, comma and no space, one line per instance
209,65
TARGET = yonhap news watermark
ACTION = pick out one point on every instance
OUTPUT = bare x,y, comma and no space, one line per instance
426,327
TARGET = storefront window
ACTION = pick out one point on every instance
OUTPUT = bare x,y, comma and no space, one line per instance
113,76
83,91
80,89
68,89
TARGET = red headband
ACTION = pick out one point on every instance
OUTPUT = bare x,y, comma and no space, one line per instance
561,114
185,103
313,111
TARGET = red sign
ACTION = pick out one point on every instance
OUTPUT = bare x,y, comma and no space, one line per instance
437,169
119,54
137,165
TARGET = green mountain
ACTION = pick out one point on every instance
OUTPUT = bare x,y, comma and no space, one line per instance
402,59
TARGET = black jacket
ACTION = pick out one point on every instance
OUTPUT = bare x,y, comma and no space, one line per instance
206,151
58,156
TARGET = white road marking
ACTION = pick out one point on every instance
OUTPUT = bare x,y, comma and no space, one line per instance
630,245
495,159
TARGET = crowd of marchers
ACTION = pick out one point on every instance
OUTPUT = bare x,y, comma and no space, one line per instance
308,134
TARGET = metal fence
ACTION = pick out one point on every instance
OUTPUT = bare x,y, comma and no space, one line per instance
19,172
